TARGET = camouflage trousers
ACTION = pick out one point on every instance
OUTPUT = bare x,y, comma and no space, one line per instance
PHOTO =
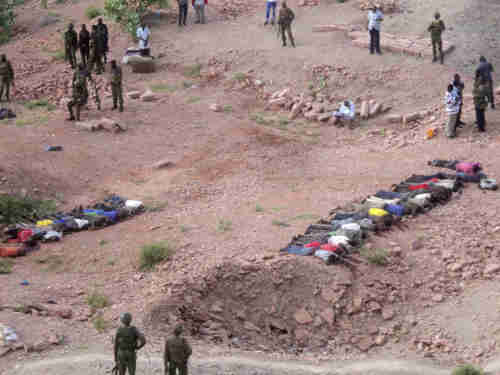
288,30
126,361
5,85
116,91
78,102
96,61
174,367
437,45
71,56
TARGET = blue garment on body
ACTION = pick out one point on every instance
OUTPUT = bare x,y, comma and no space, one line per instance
387,194
299,250
270,5
395,209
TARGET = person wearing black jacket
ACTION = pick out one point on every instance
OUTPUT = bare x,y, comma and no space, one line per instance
84,44
459,87
102,29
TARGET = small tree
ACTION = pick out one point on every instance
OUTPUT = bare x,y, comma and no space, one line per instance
130,12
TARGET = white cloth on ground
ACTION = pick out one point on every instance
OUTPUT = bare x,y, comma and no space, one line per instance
346,112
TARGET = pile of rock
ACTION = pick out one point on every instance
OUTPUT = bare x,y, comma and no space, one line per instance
387,6
311,3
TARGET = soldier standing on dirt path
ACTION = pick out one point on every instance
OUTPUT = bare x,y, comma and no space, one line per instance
485,69
436,28
375,18
128,341
71,45
177,353
480,94
6,77
95,51
103,34
80,93
116,85
285,19
84,44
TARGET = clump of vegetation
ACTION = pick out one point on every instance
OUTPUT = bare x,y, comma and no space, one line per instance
97,301
6,266
467,369
7,19
100,324
259,208
92,12
163,87
224,225
193,71
39,103
153,254
375,256
14,209
280,223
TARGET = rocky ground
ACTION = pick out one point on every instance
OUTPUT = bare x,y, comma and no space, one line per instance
244,175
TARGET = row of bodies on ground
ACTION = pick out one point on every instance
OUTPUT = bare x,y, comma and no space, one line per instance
21,238
336,238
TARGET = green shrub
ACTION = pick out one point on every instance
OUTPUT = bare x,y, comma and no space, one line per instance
375,256
280,223
6,266
467,369
100,324
97,301
14,209
224,225
193,71
92,12
40,103
153,254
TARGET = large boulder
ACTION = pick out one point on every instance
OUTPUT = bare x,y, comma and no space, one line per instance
141,64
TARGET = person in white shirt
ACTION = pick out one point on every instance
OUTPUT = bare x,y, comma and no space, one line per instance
452,103
270,5
346,112
375,18
143,35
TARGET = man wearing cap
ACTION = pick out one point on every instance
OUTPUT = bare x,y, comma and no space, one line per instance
436,28
177,353
128,341
70,45
375,18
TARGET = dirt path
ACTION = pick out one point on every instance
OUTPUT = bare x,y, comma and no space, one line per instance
89,363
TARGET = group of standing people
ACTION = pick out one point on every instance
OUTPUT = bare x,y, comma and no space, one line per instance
199,8
482,94
93,49
93,46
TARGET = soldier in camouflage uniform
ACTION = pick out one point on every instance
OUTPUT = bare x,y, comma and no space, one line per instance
480,92
96,51
103,34
6,77
116,85
177,353
285,18
436,28
71,45
84,43
80,93
128,340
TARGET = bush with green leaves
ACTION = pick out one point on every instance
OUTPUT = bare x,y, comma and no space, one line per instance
467,369
129,12
153,254
7,18
92,12
14,209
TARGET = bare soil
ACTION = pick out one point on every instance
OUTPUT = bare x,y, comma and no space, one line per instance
236,178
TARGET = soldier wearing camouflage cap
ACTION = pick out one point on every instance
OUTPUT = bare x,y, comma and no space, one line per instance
177,353
128,340
70,45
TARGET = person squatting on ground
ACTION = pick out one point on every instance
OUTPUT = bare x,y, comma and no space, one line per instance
128,341
199,8
70,45
177,353
84,44
458,87
183,11
270,6
96,51
285,19
80,93
436,28
346,112
6,77
452,106
116,85
480,94
102,30
143,34
375,18
485,69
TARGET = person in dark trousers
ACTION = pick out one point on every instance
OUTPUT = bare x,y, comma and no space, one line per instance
485,69
183,11
84,44
481,96
459,87
285,19
375,18
103,34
